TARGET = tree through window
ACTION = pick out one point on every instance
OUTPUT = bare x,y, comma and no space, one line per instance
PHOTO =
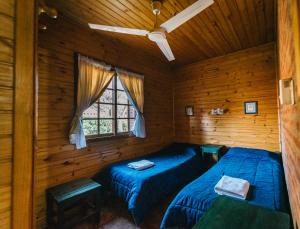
111,115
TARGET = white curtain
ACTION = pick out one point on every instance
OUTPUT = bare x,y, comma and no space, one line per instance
93,78
134,87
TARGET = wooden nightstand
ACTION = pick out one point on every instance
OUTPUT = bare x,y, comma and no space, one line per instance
212,149
83,194
229,213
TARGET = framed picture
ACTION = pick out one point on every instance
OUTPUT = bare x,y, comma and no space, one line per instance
189,110
251,107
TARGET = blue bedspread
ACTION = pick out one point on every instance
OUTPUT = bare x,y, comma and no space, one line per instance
174,167
261,168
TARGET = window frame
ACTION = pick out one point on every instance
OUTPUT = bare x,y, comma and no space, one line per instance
114,104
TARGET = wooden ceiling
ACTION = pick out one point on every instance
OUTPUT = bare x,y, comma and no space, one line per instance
224,27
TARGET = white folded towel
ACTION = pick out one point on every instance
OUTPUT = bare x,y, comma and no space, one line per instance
233,187
141,165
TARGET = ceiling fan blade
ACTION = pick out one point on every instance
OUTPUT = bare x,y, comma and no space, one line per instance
165,48
186,15
116,29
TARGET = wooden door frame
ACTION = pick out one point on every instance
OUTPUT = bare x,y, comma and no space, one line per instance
24,104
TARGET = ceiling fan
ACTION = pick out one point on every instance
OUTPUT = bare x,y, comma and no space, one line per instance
158,34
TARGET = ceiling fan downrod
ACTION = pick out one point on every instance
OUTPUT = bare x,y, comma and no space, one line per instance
156,6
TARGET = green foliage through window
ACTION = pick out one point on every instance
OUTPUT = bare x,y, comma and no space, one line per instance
111,115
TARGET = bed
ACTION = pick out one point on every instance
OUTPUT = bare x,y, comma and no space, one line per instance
175,166
261,168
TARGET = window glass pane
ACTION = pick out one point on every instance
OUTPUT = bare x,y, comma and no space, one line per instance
122,111
121,97
131,124
106,126
122,125
107,96
90,127
119,84
106,111
91,112
132,112
110,84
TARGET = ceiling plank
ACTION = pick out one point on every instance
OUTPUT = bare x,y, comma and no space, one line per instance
226,26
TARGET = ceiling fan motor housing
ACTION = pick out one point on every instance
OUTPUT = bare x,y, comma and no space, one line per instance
157,35
156,6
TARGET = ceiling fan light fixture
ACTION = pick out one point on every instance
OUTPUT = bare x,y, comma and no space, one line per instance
157,36
156,6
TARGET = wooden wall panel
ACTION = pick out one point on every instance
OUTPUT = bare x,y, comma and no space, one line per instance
23,123
290,114
7,19
56,160
227,82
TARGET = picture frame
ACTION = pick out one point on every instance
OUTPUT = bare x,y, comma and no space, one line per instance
189,110
251,107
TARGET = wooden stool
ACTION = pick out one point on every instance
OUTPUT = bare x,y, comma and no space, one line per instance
74,193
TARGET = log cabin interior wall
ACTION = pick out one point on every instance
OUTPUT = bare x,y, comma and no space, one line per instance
17,56
227,82
56,160
7,40
251,71
288,35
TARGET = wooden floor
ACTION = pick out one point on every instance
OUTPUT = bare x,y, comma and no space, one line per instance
115,215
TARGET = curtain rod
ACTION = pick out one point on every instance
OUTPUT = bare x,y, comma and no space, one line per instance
113,67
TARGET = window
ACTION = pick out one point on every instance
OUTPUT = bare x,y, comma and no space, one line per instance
111,115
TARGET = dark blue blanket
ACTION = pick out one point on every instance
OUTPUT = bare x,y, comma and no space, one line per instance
174,167
261,168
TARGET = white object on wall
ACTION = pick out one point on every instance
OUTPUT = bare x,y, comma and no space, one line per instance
286,92
217,111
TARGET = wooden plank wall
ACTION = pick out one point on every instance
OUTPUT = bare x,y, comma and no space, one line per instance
23,124
227,82
7,40
56,160
290,114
